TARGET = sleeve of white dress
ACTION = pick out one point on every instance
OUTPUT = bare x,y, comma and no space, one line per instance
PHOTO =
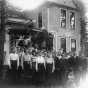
44,63
18,61
30,61
36,64
22,62
9,62
53,66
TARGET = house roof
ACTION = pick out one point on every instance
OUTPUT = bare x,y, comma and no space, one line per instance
66,3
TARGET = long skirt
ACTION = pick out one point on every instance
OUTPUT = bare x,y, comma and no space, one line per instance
13,69
26,66
41,72
41,68
49,67
34,66
13,65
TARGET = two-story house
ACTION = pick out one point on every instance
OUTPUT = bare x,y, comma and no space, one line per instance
62,19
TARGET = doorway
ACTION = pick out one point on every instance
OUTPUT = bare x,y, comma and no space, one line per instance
63,44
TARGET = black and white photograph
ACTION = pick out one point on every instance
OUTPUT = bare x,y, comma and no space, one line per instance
44,44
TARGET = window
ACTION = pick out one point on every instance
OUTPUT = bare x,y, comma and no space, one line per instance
40,20
73,45
72,20
63,18
63,44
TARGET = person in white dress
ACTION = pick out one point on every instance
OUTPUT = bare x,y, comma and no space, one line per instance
27,61
50,64
14,60
14,63
40,62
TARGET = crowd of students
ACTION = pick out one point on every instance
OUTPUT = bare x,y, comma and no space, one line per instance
41,58
33,59
43,61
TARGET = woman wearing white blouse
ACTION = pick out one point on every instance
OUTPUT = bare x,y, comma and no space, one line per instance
40,63
27,61
14,63
50,64
14,60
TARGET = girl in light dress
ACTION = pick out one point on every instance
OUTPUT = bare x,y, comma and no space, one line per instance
50,64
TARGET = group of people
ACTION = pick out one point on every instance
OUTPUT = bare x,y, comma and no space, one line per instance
37,59
32,59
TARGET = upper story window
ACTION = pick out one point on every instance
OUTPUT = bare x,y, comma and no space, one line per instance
40,20
72,20
63,18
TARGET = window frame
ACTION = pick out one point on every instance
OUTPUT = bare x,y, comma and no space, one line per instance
40,24
73,48
74,20
65,18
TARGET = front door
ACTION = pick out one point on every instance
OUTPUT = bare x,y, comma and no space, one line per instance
63,44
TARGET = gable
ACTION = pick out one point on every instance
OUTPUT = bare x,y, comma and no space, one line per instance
68,3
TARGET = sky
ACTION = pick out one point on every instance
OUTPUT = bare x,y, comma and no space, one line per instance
85,3
26,4
33,4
